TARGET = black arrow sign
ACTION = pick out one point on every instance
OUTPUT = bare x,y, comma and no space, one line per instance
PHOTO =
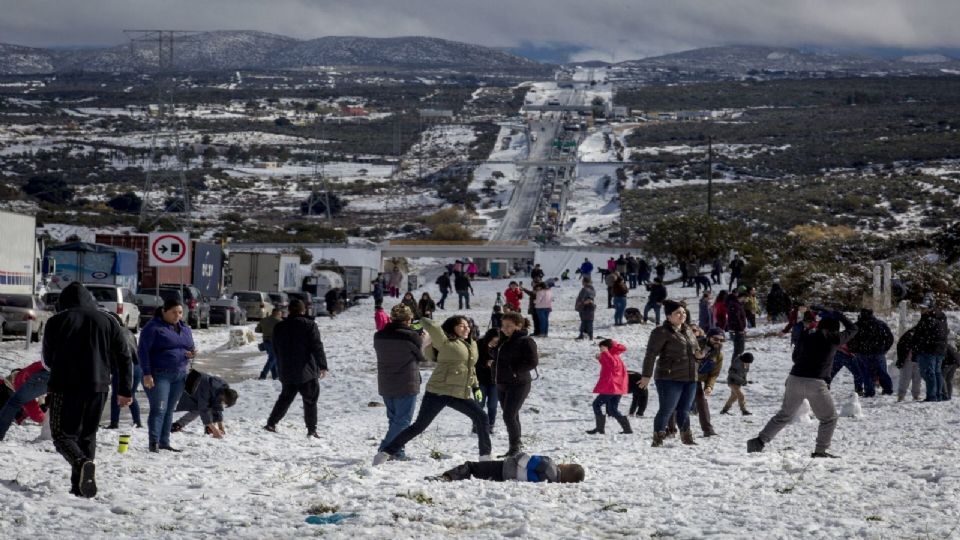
162,248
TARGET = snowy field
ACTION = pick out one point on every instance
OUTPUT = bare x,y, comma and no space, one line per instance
897,477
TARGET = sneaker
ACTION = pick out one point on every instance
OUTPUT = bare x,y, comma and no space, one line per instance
745,412
313,435
138,425
724,411
112,426
176,427
380,458
710,433
169,448
88,483
755,445
823,455
271,429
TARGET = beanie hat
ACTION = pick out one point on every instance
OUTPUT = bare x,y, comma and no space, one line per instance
669,306
714,332
746,358
401,313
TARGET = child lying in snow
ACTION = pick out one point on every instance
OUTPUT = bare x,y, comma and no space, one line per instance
522,467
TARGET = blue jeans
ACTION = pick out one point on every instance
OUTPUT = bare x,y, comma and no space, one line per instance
843,360
543,315
932,373
656,309
443,298
164,396
632,280
674,396
619,306
31,389
611,402
271,365
134,405
489,401
463,296
870,364
399,415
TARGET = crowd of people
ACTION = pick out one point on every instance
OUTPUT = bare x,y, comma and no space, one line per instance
86,353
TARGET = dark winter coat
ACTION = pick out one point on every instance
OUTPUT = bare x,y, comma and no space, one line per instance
633,265
736,267
953,356
814,351
586,268
777,300
299,350
931,334
399,355
414,308
585,305
658,293
620,288
873,336
527,468
83,345
536,274
905,347
706,315
673,350
206,399
426,307
443,282
738,372
484,356
515,358
461,282
736,315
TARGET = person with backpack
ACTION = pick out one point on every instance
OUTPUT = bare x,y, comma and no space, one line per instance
610,387
513,360
870,347
810,380
452,384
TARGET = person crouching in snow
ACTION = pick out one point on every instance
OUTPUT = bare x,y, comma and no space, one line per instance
205,396
521,467
610,387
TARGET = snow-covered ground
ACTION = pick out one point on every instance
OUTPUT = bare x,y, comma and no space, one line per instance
897,477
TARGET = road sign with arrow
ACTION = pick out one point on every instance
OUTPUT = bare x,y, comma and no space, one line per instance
169,249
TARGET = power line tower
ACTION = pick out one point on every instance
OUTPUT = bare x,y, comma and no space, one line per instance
319,173
166,132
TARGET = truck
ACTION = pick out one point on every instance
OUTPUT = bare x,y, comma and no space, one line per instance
358,280
267,272
91,263
20,261
205,272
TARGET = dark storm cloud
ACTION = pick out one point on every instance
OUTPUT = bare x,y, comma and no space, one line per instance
605,29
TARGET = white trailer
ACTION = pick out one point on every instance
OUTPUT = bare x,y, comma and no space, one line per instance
20,257
266,272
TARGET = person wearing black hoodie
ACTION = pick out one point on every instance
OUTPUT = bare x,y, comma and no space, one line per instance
81,347
399,356
870,346
301,363
929,350
513,361
810,380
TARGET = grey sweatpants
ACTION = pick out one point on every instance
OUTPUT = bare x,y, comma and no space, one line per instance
817,393
909,373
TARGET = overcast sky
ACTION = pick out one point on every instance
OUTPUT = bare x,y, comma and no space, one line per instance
612,30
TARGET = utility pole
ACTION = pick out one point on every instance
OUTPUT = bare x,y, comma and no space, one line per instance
709,176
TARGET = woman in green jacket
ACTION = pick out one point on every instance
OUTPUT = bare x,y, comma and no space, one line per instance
453,384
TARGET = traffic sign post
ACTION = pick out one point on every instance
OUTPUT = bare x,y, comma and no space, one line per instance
169,249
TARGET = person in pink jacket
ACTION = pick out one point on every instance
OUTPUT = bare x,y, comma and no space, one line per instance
380,317
611,385
543,304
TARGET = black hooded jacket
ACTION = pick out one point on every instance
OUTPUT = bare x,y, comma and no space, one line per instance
873,335
931,335
299,350
515,358
83,345
813,354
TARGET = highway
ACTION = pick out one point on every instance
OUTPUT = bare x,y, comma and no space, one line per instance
523,204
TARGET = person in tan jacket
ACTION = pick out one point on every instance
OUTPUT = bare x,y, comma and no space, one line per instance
453,384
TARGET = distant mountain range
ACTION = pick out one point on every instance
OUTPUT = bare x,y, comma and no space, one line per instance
228,50
742,60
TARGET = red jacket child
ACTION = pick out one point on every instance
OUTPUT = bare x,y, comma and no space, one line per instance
613,373
380,318
512,296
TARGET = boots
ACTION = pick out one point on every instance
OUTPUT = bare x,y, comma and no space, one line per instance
658,438
725,410
625,425
513,450
601,424
686,437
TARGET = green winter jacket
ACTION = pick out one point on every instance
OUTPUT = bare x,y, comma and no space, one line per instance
454,375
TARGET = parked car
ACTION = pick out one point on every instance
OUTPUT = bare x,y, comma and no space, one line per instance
280,300
148,304
21,311
257,304
307,299
227,311
119,300
50,301
3,324
196,307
